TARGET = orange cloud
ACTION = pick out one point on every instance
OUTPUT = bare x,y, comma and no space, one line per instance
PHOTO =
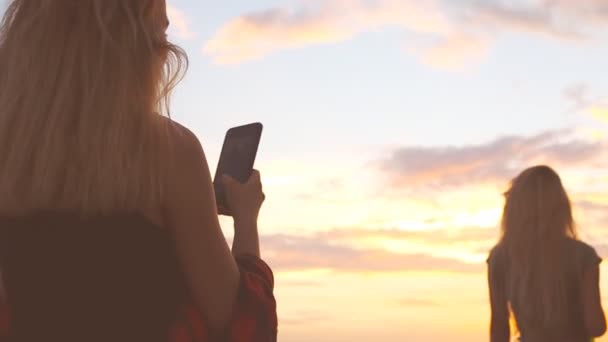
179,22
464,29
258,34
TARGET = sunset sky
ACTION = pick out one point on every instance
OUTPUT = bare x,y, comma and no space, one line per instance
392,127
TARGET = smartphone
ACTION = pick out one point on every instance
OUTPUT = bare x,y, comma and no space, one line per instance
236,159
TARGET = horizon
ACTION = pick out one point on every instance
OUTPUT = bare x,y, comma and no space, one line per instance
392,128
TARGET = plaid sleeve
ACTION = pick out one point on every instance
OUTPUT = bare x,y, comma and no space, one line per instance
255,313
255,317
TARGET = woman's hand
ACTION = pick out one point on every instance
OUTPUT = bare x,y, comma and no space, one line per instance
244,199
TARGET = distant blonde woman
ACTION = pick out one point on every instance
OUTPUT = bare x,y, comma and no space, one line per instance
539,271
108,224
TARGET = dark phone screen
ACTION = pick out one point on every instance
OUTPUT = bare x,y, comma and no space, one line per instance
239,154
237,157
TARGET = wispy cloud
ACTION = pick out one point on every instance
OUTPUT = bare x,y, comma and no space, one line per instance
441,237
419,302
289,252
453,52
595,214
498,160
581,97
459,30
578,95
593,206
301,283
538,18
180,25
305,318
593,12
583,101
472,243
594,218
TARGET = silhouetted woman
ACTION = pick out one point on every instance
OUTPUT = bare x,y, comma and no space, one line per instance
108,225
539,271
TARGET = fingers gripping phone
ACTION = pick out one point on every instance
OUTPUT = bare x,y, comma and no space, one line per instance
236,160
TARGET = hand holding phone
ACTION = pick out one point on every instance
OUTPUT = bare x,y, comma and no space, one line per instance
236,161
244,200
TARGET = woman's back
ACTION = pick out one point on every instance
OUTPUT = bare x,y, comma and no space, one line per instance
112,278
578,257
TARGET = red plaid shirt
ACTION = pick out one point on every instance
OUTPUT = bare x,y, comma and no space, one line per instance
254,317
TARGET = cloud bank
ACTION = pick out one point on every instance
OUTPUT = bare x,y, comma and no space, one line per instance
347,249
456,32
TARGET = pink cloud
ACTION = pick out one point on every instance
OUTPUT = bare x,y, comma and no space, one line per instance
464,29
593,12
498,160
289,252
454,52
538,19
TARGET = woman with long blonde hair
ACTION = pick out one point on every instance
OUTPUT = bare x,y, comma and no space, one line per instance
539,271
108,224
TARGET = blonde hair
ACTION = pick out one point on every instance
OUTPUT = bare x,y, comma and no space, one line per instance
536,222
84,88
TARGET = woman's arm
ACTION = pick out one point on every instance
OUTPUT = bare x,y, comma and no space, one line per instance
190,212
255,313
245,201
246,240
593,314
499,323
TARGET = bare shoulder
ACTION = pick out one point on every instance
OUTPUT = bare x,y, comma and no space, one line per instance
181,137
496,255
186,160
186,155
188,186
585,254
